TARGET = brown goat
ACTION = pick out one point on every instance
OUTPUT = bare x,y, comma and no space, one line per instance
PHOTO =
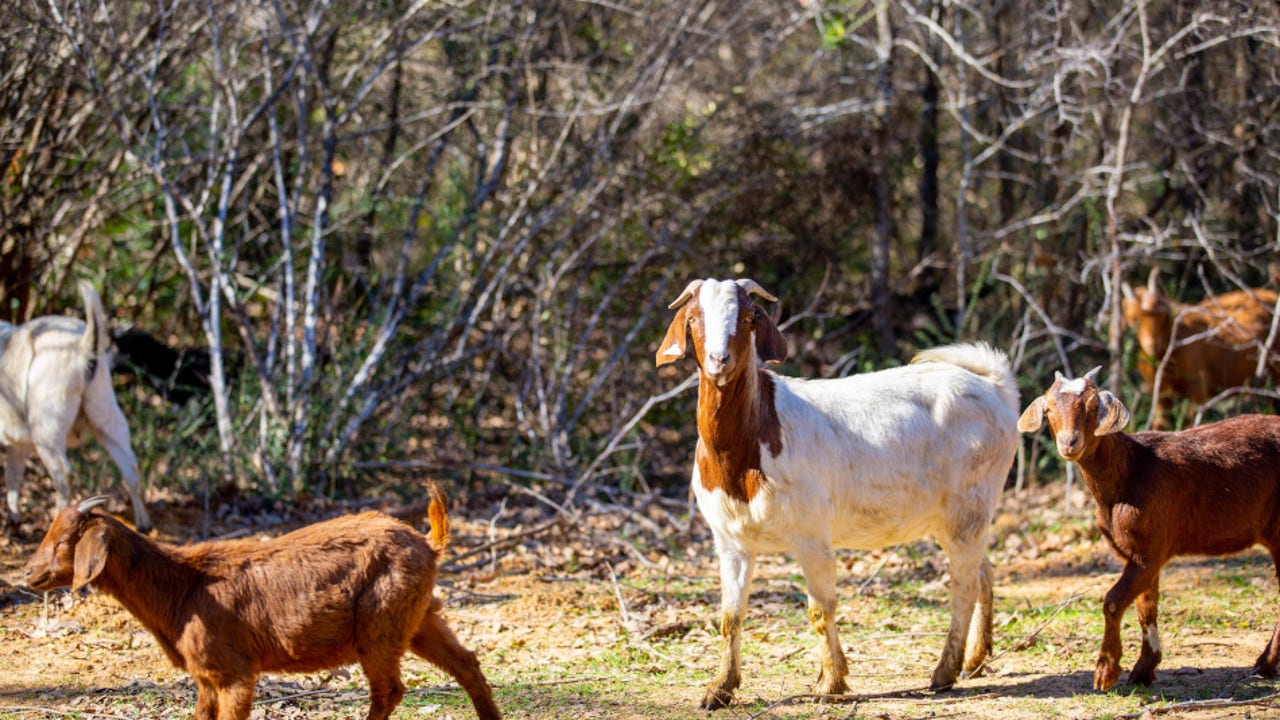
355,588
1216,341
1209,490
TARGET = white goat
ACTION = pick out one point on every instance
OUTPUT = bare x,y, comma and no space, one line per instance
55,384
806,466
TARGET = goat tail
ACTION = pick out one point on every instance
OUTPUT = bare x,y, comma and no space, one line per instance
438,515
93,344
980,359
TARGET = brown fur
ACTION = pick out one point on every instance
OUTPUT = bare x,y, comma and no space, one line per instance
355,588
1210,490
1235,325
736,418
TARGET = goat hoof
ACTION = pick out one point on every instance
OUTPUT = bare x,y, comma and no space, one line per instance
1264,669
942,681
716,698
1142,677
1105,677
830,686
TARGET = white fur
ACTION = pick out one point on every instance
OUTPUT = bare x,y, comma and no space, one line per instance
1074,387
719,302
876,460
1151,634
48,402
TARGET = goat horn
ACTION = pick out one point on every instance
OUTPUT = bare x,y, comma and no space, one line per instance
1092,374
1059,377
91,503
1126,290
1153,281
751,286
689,290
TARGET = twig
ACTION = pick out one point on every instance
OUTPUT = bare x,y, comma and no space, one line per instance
500,543
1029,636
54,711
1199,705
863,585
294,696
622,604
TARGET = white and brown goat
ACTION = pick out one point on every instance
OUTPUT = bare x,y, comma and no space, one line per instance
1209,490
807,466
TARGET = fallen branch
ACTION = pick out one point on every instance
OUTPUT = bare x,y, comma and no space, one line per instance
1212,704
54,711
499,544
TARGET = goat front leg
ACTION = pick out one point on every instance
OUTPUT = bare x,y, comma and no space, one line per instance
736,569
206,700
235,698
382,669
818,561
1134,580
1144,671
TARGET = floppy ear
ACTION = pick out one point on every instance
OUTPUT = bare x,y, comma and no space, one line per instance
91,556
674,344
770,345
1033,417
1113,416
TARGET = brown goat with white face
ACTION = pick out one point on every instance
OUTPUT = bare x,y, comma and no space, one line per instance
1209,490
355,588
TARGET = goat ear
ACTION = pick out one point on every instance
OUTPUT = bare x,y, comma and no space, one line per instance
770,345
674,344
1033,417
1113,416
91,556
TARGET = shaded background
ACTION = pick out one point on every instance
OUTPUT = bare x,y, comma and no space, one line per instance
439,237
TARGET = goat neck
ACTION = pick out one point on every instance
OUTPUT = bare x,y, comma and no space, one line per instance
735,419
1106,467
149,580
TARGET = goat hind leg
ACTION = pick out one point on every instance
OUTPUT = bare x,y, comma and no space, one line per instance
978,648
1144,671
966,564
819,565
436,643
112,431
15,464
1266,665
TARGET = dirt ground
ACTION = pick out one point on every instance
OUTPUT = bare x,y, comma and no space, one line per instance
608,614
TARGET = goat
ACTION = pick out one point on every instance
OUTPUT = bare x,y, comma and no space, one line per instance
1215,342
55,385
1209,490
176,375
807,466
355,588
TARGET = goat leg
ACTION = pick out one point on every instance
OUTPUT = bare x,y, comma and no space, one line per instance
966,584
978,648
382,668
818,562
1266,665
1133,580
15,463
736,569
1144,671
436,643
